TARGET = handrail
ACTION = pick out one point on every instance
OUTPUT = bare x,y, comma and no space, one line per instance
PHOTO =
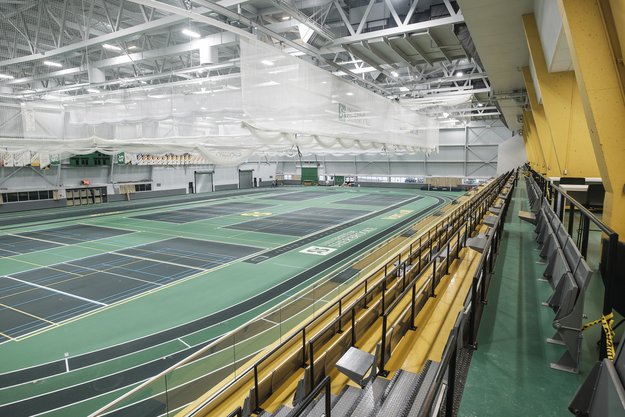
325,384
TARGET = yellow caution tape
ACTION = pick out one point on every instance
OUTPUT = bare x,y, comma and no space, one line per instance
607,322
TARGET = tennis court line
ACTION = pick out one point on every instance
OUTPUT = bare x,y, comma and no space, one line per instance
43,287
7,336
25,313
38,239
108,271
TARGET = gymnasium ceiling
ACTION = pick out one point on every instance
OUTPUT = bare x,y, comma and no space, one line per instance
416,51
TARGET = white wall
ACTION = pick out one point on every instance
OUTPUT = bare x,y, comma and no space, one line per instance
511,154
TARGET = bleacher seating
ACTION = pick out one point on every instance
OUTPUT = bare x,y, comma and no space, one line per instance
569,275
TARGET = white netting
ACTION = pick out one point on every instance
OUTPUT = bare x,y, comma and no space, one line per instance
276,105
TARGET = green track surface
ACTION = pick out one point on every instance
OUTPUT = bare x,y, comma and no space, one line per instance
183,301
510,373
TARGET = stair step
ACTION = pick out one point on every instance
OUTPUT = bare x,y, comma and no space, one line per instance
426,379
346,401
370,398
318,408
399,400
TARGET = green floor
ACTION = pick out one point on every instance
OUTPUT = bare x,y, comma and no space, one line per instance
510,373
184,301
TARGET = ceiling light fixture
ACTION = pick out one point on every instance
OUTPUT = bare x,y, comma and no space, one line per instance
394,74
190,33
286,17
445,114
266,62
6,76
133,47
93,90
53,64
459,74
111,47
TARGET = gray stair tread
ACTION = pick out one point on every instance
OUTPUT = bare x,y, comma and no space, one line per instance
346,402
426,380
318,408
283,411
370,397
399,400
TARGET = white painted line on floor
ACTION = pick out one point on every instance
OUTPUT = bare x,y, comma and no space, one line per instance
56,291
184,343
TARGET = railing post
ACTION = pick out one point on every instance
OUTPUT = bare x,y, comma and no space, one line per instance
304,347
256,394
571,219
472,318
366,285
312,365
383,296
382,371
448,256
412,306
432,287
585,232
340,313
328,398
353,326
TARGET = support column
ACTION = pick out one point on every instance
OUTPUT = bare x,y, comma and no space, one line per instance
561,102
543,133
532,142
601,90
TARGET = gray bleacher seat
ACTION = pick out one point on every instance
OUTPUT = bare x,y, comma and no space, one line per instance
490,220
602,394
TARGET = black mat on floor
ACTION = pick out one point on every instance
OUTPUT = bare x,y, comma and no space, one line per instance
300,222
202,213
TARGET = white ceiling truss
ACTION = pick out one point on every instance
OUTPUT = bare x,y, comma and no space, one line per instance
411,50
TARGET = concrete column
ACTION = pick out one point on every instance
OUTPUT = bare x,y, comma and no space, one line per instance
590,28
561,102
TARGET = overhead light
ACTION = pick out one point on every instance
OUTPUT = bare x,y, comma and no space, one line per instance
266,62
459,74
480,104
394,74
286,17
111,47
190,33
202,108
349,94
133,47
6,76
53,64
445,114
93,90
402,88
